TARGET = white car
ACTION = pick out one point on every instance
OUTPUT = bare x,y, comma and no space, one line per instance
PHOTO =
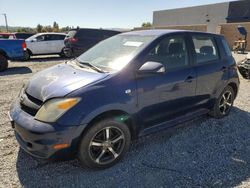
45,44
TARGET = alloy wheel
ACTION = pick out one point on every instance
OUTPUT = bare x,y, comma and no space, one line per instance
226,102
106,145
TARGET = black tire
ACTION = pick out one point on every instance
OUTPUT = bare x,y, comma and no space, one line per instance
26,55
63,54
223,103
104,144
3,63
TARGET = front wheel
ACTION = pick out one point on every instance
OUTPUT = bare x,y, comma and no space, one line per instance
224,103
104,144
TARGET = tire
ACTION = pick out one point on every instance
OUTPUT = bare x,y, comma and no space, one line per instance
104,144
26,55
223,103
63,54
3,63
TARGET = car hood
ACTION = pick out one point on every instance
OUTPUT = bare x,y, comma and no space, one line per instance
59,81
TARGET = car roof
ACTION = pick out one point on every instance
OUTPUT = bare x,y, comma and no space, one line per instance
94,29
160,32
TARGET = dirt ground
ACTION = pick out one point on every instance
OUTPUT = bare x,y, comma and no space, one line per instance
205,152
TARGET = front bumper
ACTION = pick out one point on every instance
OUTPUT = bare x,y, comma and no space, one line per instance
38,138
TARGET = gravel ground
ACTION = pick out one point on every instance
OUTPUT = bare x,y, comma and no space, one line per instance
202,153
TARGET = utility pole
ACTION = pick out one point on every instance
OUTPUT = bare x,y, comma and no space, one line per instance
6,22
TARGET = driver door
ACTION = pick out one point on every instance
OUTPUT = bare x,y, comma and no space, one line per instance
40,45
164,96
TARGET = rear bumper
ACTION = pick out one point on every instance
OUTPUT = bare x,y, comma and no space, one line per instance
38,138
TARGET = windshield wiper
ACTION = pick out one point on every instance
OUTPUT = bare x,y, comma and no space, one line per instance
90,65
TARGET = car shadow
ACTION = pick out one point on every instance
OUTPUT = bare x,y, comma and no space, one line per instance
16,70
205,152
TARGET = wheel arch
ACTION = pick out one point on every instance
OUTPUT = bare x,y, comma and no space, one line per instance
119,115
234,87
30,52
2,52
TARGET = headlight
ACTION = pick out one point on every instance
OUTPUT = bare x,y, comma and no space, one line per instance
55,108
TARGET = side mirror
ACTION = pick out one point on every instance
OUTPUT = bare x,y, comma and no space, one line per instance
152,67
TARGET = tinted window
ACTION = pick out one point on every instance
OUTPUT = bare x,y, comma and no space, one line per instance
171,51
205,48
23,35
107,34
55,37
89,33
226,47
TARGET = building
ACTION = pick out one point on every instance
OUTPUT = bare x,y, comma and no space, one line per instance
221,18
209,16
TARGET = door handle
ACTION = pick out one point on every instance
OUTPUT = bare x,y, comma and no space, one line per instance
189,79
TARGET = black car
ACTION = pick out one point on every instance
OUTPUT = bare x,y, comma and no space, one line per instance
23,35
78,41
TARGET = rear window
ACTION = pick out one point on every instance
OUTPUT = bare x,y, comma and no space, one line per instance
6,37
226,47
71,34
205,48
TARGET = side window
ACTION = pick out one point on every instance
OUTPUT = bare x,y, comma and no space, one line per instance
171,51
40,38
61,37
205,48
226,47
56,37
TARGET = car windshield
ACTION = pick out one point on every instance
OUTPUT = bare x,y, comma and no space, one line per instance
113,54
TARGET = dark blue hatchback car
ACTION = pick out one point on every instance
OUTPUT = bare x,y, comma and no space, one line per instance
127,86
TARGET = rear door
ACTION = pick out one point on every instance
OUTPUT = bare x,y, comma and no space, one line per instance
163,97
211,69
55,43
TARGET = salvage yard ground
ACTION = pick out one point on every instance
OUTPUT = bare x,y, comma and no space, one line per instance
205,152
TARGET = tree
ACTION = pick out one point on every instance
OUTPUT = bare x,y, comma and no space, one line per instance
55,27
146,24
39,28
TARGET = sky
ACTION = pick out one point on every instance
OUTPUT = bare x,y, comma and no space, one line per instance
88,13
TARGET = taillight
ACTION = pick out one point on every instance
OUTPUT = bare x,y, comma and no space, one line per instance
73,40
24,45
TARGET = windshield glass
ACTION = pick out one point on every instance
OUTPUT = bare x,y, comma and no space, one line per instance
116,52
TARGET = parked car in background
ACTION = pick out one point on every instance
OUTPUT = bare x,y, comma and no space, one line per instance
244,67
78,41
45,44
7,36
11,49
124,87
20,35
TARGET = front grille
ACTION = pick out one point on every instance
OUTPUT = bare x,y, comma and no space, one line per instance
29,104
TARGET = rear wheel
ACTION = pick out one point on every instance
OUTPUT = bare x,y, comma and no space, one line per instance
104,144
224,103
26,55
3,63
